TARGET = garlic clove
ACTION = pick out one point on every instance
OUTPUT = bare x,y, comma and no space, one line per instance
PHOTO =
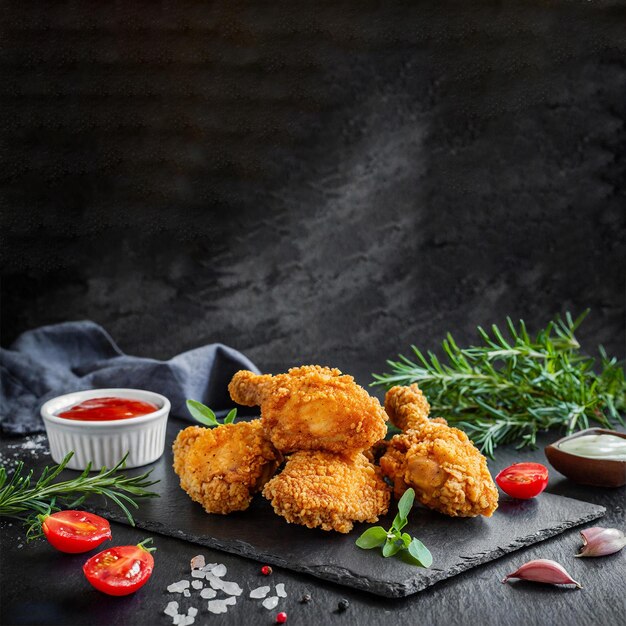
598,541
590,533
544,571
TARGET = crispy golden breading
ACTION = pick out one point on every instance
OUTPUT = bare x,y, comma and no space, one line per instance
223,467
248,388
313,408
446,470
407,407
330,491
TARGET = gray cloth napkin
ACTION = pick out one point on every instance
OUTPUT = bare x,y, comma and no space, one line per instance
53,360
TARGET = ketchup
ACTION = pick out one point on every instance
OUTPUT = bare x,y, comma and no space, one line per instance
107,408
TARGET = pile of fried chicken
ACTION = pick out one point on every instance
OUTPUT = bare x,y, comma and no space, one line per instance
327,433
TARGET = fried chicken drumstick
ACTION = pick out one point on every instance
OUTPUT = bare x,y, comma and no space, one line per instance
440,462
312,408
329,491
223,467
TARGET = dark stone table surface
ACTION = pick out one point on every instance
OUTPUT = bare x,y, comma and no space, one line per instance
41,586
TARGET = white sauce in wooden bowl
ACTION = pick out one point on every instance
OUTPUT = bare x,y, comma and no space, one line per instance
602,447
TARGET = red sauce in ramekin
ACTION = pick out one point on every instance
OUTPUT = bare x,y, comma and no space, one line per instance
108,408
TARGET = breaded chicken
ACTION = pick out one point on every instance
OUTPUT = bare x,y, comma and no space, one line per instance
407,407
223,467
250,389
446,470
312,408
329,491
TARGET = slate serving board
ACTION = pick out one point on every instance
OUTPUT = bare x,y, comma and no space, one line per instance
258,533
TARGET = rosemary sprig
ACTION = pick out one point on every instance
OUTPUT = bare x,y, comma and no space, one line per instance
509,388
20,499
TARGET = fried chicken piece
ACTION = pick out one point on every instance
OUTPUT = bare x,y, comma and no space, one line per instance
312,408
407,407
250,389
223,467
446,470
376,451
330,491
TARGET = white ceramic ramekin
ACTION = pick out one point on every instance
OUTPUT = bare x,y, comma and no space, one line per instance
105,443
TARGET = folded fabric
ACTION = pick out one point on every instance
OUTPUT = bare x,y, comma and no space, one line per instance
53,360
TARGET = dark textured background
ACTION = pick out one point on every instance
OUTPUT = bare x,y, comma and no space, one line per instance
323,183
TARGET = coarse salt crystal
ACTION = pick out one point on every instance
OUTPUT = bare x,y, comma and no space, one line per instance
198,561
208,593
208,567
193,611
219,570
196,584
259,592
178,587
270,603
187,593
171,609
197,573
232,589
216,583
217,606
280,590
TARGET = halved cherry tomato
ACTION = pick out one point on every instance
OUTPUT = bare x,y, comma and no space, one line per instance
75,531
523,480
121,570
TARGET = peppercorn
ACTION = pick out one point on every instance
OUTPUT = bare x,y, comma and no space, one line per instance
343,605
306,598
281,618
266,570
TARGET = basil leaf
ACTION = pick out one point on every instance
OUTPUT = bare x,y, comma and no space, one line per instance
420,553
406,502
201,413
399,522
406,538
372,538
391,547
230,418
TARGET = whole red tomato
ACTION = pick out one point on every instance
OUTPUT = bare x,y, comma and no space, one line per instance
523,480
121,570
75,531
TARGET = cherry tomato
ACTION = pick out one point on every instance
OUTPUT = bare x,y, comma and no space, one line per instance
523,480
75,531
121,570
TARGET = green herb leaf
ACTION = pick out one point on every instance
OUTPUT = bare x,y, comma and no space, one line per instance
392,540
146,545
399,522
405,503
510,386
420,553
391,547
202,413
230,418
372,538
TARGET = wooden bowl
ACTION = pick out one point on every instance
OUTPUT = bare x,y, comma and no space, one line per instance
580,469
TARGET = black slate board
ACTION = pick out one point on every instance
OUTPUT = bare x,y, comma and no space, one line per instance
258,533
